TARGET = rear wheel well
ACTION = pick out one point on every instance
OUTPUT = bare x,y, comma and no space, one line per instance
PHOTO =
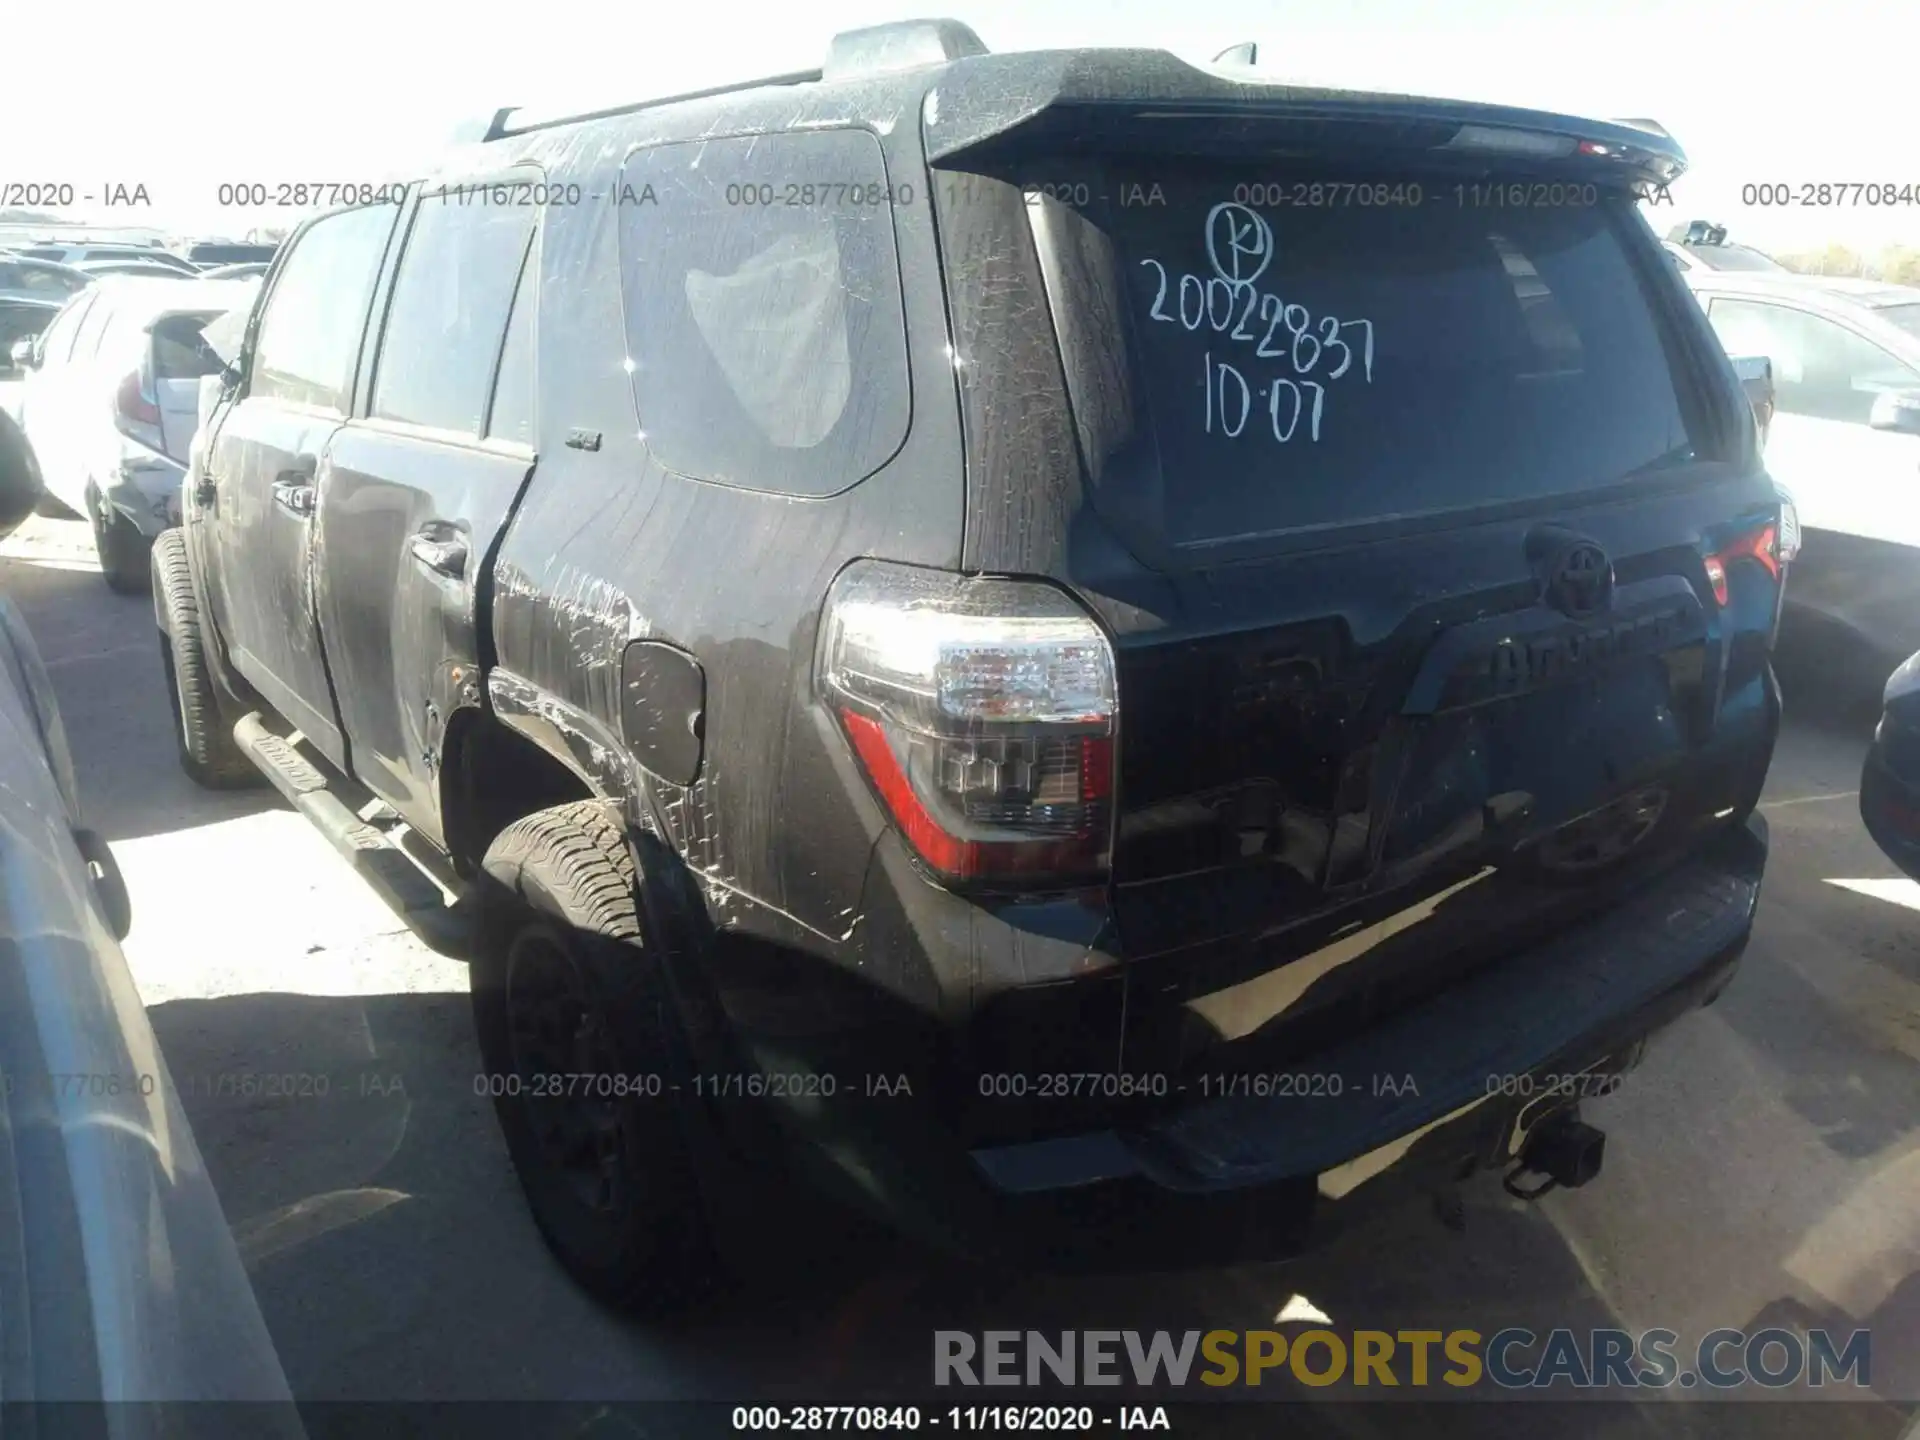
492,776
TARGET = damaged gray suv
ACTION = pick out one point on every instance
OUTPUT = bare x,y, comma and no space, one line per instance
1052,640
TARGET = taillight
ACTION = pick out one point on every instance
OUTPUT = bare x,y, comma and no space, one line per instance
983,713
134,400
1762,544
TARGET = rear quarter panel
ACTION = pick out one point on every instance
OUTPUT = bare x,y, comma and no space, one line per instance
608,546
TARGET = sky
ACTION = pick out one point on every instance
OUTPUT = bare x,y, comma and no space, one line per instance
360,90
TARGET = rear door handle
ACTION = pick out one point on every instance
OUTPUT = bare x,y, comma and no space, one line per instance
294,492
440,548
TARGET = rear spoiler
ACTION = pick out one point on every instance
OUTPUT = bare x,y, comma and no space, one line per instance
1051,102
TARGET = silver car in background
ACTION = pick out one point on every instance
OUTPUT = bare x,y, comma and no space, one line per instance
109,402
119,1278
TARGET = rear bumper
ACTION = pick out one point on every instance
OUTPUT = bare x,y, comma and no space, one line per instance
146,490
1439,1087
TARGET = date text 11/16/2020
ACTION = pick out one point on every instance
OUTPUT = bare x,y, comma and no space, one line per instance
1062,1419
323,195
1316,194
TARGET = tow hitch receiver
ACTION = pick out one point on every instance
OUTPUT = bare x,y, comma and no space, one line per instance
1563,1152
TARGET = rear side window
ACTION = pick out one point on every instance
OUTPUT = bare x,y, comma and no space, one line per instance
763,308
1906,316
1317,351
180,351
310,332
49,284
449,311
18,322
1820,368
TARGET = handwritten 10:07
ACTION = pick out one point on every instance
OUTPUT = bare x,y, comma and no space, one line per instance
1277,331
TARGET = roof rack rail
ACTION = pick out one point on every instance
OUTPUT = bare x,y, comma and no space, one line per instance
501,125
900,45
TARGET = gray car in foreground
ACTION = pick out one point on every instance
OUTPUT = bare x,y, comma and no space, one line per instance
119,1278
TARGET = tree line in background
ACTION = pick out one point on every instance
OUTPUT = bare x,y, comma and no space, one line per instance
1897,264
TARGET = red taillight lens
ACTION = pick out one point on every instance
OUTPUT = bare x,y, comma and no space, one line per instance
983,713
1762,545
132,401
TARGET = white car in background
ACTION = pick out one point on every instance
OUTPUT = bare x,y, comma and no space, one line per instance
1844,440
109,402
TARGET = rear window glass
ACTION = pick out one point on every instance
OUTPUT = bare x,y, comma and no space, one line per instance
215,254
1907,317
1318,352
19,322
764,316
180,351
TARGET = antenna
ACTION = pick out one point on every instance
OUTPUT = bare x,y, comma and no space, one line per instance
1241,54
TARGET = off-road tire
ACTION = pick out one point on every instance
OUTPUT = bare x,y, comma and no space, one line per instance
125,554
566,877
207,750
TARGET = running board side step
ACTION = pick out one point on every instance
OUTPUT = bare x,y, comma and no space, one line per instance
372,852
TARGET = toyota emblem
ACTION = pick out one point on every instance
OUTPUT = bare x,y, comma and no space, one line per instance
1580,581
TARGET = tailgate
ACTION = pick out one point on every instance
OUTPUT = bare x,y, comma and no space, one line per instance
1439,567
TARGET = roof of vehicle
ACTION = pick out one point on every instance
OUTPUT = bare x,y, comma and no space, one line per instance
157,297
37,263
105,247
239,270
1845,289
970,100
118,266
1713,257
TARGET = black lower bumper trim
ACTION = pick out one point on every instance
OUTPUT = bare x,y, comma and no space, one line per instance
1562,1006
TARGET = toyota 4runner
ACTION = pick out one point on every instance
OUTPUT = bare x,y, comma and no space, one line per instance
1053,637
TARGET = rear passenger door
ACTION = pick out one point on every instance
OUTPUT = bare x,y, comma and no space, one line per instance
421,483
267,466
